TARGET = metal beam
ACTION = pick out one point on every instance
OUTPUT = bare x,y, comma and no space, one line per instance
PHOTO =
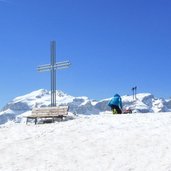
53,73
56,66
58,63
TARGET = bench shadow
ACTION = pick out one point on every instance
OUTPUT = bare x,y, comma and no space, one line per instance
50,120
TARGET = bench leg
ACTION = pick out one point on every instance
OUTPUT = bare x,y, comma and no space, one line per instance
60,117
35,121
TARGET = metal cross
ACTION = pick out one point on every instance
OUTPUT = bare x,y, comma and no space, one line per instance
52,68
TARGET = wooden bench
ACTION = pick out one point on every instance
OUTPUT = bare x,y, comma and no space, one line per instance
48,112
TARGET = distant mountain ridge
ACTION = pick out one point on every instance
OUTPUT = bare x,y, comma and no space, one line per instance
22,105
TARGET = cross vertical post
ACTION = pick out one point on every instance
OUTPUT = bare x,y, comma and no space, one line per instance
53,73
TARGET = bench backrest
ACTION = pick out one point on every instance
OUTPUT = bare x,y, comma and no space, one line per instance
58,110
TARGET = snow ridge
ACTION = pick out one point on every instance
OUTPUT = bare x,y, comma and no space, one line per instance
23,105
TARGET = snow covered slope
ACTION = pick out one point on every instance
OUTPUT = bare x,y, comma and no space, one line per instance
23,105
146,102
104,142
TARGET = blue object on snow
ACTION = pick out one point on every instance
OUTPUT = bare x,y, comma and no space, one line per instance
116,100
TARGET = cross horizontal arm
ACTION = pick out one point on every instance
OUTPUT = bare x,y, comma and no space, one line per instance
49,65
56,66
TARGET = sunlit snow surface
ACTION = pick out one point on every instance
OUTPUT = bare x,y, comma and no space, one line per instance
104,142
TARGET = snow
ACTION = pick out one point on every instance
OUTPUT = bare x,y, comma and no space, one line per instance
132,142
144,103
42,97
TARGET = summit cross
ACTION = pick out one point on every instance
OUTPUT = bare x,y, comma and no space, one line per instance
52,67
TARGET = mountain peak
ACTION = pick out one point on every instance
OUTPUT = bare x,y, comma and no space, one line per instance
144,102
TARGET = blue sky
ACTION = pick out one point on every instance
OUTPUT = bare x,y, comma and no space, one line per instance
112,45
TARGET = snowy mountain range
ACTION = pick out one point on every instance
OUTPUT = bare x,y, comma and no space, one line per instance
22,105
